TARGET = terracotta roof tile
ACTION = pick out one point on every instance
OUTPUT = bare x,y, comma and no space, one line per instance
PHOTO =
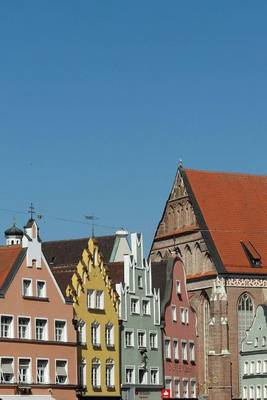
8,256
234,207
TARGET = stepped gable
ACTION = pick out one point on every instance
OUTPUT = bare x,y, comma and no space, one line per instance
232,208
9,259
162,279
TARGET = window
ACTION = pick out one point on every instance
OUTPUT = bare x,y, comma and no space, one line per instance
95,334
193,389
184,351
265,392
41,289
27,287
153,340
129,375
91,298
265,366
176,388
61,371
24,328
192,352
245,315
154,376
251,393
41,329
42,371
135,307
182,314
263,341
24,370
252,367
245,392
167,345
174,316
129,339
175,350
142,376
146,307
141,339
258,369
60,331
99,300
258,392
7,370
96,383
168,385
140,281
109,335
6,326
185,388
178,287
246,368
186,316
110,374
256,342
82,332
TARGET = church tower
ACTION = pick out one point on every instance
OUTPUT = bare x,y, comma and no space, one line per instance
219,384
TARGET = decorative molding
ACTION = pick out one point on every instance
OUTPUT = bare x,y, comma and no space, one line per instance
246,282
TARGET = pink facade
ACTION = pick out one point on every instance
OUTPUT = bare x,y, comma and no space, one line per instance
38,341
179,338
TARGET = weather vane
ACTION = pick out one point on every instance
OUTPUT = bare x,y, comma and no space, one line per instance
31,210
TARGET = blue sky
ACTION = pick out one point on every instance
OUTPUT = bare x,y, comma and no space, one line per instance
100,99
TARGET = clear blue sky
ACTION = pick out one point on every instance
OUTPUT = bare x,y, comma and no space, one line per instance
100,99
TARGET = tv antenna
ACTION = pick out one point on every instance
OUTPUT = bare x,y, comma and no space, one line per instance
92,218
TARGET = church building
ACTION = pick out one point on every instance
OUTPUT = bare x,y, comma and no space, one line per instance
216,222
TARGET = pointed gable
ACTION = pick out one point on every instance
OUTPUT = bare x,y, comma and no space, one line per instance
10,256
232,208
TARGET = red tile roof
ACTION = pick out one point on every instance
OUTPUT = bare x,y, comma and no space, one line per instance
8,256
234,207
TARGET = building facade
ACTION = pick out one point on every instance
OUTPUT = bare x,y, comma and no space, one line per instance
254,358
214,222
95,306
179,329
141,340
38,341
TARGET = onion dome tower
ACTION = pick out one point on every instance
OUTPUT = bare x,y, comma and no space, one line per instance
13,235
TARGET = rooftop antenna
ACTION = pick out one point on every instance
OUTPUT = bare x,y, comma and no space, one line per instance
92,218
31,210
181,163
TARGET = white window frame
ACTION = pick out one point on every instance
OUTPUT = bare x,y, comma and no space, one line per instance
132,336
132,367
29,379
148,303
99,300
168,354
174,313
182,315
36,288
168,379
109,335
65,336
145,382
95,334
45,330
91,299
178,287
47,372
13,378
137,300
175,381
156,340
140,282
10,326
184,342
175,349
192,351
193,381
97,376
185,380
111,367
29,328
22,287
154,369
67,371
143,332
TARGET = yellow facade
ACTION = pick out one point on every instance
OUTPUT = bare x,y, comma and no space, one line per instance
96,315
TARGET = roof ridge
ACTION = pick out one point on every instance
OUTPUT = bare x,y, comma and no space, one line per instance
76,239
225,172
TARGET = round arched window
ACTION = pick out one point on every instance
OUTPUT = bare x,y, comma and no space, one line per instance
245,315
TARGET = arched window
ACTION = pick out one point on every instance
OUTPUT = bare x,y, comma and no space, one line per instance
207,264
245,315
188,260
110,373
95,375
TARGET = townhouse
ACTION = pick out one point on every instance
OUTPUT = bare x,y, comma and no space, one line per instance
179,329
140,334
254,358
37,339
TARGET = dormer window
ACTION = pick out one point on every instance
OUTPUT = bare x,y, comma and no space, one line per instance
252,254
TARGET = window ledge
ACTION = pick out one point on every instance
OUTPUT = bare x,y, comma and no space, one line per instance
35,298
